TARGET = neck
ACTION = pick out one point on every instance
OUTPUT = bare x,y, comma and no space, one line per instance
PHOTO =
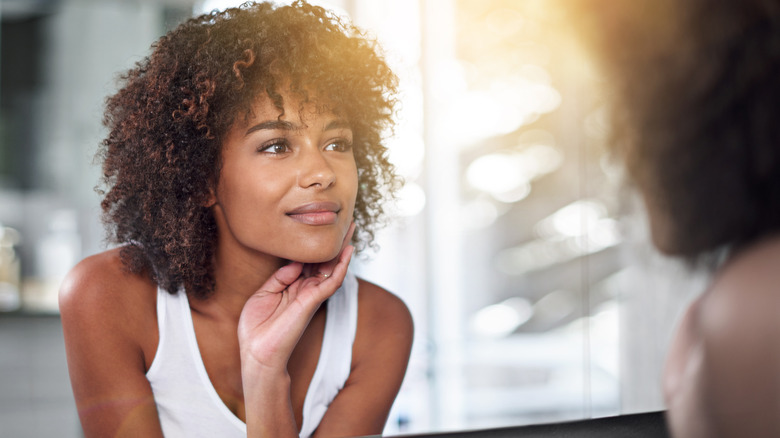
237,276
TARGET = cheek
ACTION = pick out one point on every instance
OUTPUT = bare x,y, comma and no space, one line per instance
353,182
247,180
247,197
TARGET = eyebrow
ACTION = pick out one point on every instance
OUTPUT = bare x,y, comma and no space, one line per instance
271,124
288,126
337,124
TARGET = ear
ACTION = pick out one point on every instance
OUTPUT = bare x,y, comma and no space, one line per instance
211,198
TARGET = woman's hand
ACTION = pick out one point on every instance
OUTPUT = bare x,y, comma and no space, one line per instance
275,317
271,323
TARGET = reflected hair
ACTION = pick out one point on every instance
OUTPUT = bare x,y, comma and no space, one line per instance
167,122
695,110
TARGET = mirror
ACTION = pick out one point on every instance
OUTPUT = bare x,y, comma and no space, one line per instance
522,255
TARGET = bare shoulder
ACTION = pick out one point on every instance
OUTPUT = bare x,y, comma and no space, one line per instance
102,280
744,297
100,293
382,310
729,379
385,329
110,329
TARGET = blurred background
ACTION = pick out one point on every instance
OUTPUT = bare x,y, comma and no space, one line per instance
521,253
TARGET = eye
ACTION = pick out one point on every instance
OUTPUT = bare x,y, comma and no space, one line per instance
341,145
275,147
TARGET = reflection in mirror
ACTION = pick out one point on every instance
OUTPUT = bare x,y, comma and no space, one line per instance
545,301
523,258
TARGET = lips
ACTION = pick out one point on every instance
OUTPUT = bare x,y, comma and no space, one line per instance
316,213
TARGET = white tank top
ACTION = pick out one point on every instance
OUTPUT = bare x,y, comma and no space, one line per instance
188,404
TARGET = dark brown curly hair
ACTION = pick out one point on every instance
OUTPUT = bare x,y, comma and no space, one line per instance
696,112
167,122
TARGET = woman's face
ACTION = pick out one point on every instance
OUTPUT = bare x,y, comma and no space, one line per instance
287,185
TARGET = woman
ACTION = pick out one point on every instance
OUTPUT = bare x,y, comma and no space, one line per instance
697,103
241,156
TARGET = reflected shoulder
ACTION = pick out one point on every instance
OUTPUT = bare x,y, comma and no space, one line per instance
730,372
745,292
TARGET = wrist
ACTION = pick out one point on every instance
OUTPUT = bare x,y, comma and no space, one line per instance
269,374
263,366
268,403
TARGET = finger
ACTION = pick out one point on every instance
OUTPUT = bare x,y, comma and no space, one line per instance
321,287
339,271
282,278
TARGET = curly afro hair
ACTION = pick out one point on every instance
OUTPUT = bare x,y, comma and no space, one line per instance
167,121
697,99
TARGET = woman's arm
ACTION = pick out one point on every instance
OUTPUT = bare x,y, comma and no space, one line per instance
379,359
271,324
107,315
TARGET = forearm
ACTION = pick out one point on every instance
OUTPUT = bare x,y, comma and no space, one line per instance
269,411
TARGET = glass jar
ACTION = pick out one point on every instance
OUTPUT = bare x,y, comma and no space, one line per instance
10,270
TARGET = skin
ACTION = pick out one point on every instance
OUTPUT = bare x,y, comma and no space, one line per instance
722,377
286,192
273,167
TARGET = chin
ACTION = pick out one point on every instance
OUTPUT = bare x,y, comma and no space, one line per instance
664,245
315,254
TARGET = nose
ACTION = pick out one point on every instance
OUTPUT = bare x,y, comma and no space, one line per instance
315,170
